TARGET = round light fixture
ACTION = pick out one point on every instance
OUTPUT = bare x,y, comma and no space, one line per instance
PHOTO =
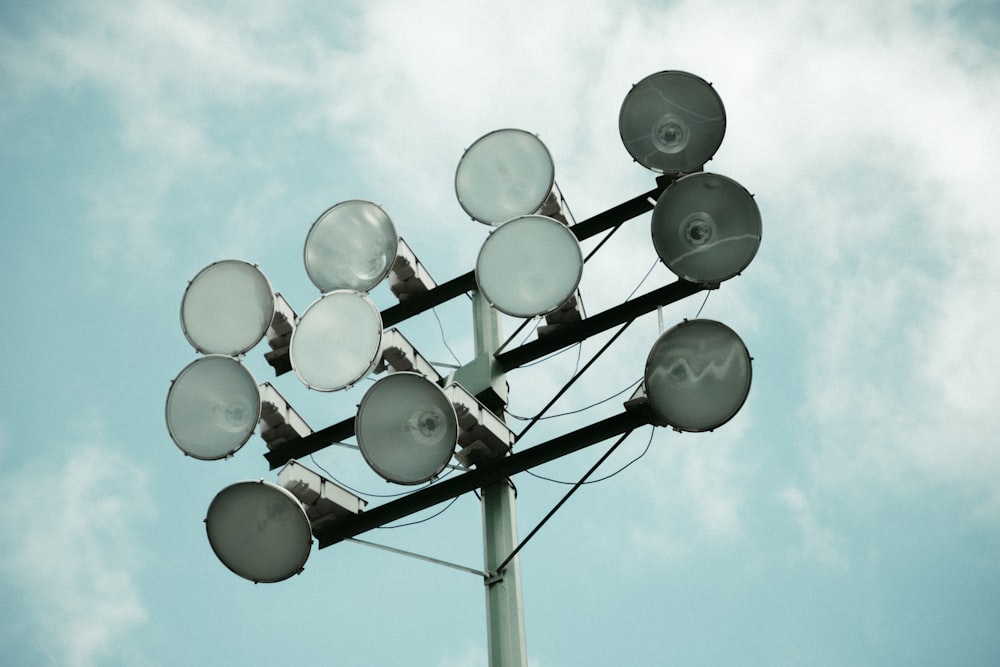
336,341
529,266
351,246
672,122
406,428
259,530
227,308
697,375
504,174
213,407
706,227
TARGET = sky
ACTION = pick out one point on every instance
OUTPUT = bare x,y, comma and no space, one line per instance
848,515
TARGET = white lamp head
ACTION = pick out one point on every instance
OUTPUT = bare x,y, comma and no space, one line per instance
697,375
213,407
672,122
351,246
504,174
406,428
706,227
227,308
259,530
529,266
336,341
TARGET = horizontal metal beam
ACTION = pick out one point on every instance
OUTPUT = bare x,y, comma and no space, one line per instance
566,335
574,332
337,529
281,453
418,302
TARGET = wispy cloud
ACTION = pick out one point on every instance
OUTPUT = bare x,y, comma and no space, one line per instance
68,530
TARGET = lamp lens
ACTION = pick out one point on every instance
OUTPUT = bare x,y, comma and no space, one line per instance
213,407
672,122
336,341
529,266
697,375
351,246
259,530
503,175
406,428
706,227
227,308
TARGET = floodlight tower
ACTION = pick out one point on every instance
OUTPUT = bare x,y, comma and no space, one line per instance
705,228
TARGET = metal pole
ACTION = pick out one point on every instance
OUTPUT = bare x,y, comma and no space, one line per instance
504,605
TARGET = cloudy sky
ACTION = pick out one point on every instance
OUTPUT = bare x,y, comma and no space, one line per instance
849,515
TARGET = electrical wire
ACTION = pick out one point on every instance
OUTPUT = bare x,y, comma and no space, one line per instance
644,278
425,519
578,410
443,339
352,489
704,301
652,431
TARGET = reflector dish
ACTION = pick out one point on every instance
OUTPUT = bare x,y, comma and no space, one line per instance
706,227
503,175
227,308
259,530
351,246
406,428
697,375
529,266
213,407
672,122
336,341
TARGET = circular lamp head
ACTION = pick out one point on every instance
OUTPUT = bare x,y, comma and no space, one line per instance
336,341
351,246
406,428
672,122
697,375
227,308
706,227
529,266
504,174
259,530
213,407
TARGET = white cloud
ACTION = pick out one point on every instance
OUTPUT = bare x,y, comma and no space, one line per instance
819,543
68,532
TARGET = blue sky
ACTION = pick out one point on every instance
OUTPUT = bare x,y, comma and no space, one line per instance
849,515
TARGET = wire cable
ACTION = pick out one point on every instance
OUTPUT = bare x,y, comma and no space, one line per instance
352,489
704,301
425,519
578,410
652,432
443,339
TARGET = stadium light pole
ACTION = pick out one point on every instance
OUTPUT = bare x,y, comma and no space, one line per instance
705,228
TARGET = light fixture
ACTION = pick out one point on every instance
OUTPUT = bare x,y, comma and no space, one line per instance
706,227
227,308
352,245
406,428
259,530
529,266
672,122
213,407
697,375
336,341
504,174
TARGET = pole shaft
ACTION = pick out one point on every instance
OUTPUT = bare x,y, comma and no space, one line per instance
504,604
